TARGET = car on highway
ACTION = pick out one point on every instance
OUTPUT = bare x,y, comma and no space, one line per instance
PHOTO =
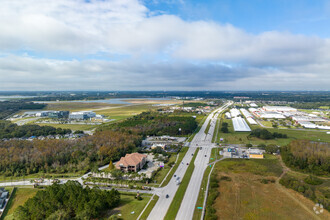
167,196
174,175
187,163
205,155
192,154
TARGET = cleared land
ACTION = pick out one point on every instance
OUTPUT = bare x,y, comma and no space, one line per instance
19,198
245,193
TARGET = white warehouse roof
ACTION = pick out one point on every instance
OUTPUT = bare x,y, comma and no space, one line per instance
240,124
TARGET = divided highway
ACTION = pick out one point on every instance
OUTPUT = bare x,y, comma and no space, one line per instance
188,204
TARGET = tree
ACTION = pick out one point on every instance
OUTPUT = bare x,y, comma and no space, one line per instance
111,166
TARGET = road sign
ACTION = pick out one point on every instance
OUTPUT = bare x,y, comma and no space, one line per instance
212,159
199,207
210,165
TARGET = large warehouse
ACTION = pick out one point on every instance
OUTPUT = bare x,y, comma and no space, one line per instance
240,124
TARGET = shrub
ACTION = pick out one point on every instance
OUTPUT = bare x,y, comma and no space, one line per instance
313,180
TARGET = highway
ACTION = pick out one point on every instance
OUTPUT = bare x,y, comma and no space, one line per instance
200,140
188,203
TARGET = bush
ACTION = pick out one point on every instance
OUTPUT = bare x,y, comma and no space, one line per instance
313,180
225,178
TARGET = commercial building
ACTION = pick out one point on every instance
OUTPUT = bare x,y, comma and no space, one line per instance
131,162
83,115
255,153
240,124
279,109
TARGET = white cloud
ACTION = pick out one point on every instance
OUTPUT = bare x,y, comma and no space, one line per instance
77,28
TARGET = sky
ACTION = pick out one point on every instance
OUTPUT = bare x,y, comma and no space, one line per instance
164,45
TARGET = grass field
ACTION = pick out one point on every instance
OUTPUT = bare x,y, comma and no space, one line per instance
39,175
159,177
242,137
126,111
242,195
77,106
181,155
129,207
151,205
175,205
19,198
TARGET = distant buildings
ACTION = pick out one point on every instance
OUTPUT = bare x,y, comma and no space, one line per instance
131,162
48,114
83,115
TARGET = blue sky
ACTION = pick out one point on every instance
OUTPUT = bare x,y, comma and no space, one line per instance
164,45
300,16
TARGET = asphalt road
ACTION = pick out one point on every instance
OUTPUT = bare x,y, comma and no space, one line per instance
200,140
188,203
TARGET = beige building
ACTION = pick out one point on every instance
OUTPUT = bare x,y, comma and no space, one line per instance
131,162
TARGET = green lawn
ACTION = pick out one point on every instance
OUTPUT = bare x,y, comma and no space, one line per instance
19,198
39,175
182,153
175,205
129,207
151,205
269,166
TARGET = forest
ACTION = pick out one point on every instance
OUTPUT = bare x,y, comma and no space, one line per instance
68,201
308,156
20,157
153,123
265,134
11,130
10,107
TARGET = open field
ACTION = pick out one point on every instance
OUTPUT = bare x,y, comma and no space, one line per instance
242,137
19,198
77,106
243,193
124,111
129,207
175,205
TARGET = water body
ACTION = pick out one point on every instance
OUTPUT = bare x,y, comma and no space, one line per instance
121,101
7,98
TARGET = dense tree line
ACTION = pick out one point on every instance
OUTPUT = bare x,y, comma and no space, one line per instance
10,107
68,201
11,130
152,123
308,189
265,134
20,158
310,105
308,156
